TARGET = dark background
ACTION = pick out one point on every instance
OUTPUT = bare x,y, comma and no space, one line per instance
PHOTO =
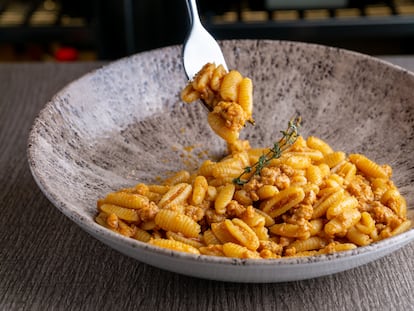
110,29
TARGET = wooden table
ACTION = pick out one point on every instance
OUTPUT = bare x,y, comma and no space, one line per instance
48,263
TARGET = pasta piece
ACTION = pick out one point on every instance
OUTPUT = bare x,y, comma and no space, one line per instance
209,238
324,203
160,189
177,237
368,167
148,225
189,94
230,168
298,162
267,191
122,212
179,177
177,195
394,200
245,97
175,245
173,221
366,224
125,229
379,186
223,198
261,232
318,144
269,221
347,171
218,125
129,200
290,230
141,235
203,77
339,207
404,226
242,197
316,226
101,219
212,250
340,224
200,188
206,168
243,233
217,77
229,87
357,237
222,234
313,243
252,218
112,221
283,201
238,251
314,175
211,193
334,158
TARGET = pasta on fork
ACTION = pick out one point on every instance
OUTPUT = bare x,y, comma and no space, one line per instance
229,97
298,198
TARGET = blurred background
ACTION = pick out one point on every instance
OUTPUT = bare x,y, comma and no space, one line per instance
68,30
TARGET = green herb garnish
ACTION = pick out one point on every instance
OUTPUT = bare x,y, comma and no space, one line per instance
288,138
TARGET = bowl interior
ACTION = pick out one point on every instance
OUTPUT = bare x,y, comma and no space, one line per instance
125,123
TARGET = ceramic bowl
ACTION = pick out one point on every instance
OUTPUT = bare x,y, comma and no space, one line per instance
124,123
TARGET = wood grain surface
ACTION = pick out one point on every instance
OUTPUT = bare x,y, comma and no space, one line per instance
48,263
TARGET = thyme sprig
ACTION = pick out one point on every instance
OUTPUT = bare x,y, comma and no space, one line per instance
289,137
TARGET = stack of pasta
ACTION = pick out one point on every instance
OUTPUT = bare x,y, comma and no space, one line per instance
309,200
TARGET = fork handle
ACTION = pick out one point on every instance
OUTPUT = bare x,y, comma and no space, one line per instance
193,12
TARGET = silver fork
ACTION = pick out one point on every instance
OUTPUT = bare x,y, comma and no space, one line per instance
200,47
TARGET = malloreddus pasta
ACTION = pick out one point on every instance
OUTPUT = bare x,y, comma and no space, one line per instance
299,198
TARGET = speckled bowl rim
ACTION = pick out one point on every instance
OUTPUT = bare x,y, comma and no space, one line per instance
90,226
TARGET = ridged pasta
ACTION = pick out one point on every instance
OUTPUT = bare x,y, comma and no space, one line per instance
141,235
176,195
242,232
129,200
334,158
174,221
238,251
314,174
178,237
324,203
218,125
179,177
313,243
224,197
227,168
245,96
267,191
200,188
340,224
175,245
209,238
367,166
222,234
290,230
122,212
318,144
282,201
357,237
229,88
